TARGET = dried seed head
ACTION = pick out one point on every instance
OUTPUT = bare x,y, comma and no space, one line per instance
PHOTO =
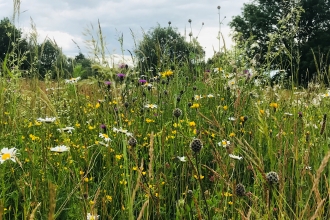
272,177
196,145
240,190
177,112
132,142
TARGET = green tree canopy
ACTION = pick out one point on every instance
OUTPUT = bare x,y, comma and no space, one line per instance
12,45
284,34
164,47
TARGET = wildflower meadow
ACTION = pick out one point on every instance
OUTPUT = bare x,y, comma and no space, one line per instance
193,141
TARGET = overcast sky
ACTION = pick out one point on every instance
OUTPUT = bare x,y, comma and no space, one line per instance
65,21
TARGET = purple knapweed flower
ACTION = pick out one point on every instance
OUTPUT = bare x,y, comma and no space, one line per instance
142,81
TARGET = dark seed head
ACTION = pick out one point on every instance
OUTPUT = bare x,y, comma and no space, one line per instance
132,142
177,112
196,145
272,177
240,190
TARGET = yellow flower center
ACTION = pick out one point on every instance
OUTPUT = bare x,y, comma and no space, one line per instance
5,156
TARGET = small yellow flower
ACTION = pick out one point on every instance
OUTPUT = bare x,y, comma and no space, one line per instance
119,156
225,107
230,202
262,111
232,134
108,198
86,179
97,105
274,105
192,124
148,120
195,105
227,194
200,177
135,168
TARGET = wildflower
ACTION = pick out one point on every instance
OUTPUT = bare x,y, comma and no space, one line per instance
142,81
105,137
225,107
224,143
148,120
108,198
151,106
200,177
196,145
72,80
46,120
121,76
66,129
60,149
167,73
124,131
210,96
232,119
288,114
195,105
8,154
103,127
274,105
198,97
262,111
235,157
232,134
272,177
92,217
192,124
182,159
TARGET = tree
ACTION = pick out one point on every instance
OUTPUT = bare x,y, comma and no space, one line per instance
284,34
49,53
12,45
82,66
162,48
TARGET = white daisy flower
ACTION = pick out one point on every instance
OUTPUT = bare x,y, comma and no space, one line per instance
288,114
60,149
308,168
105,137
235,157
72,80
124,131
198,97
66,129
92,217
224,143
232,119
150,106
210,96
46,120
182,159
8,154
